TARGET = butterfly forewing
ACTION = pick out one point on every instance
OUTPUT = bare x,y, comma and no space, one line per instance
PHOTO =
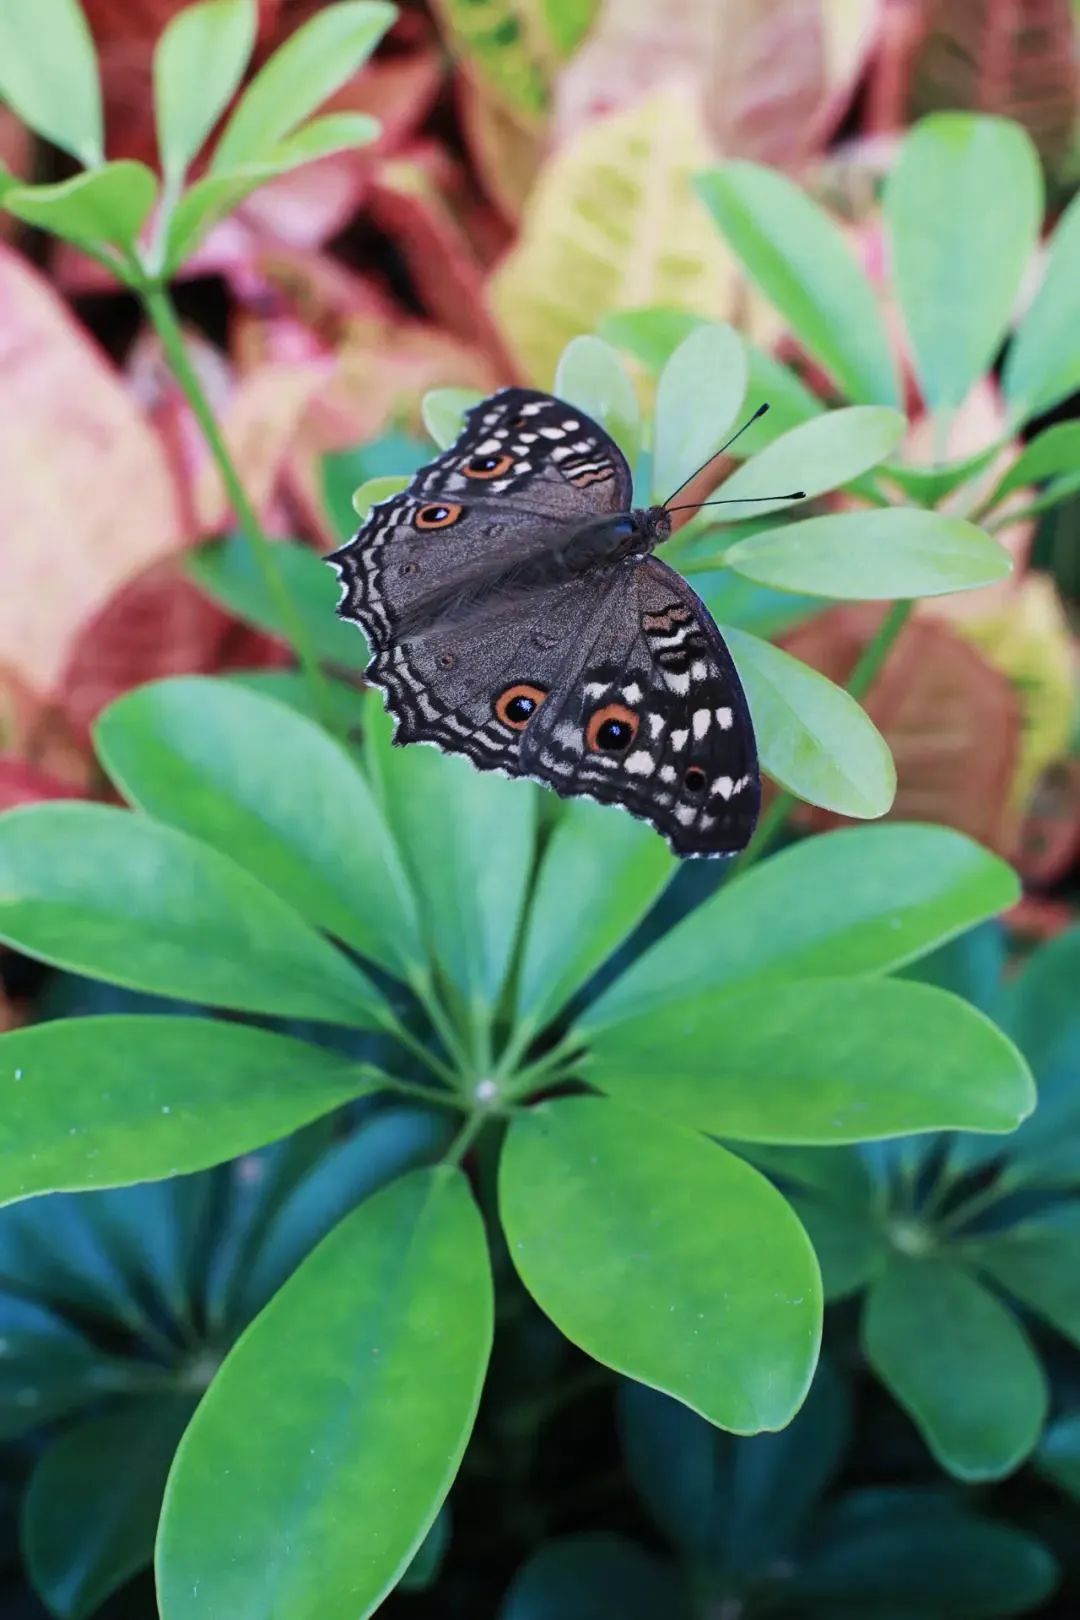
611,682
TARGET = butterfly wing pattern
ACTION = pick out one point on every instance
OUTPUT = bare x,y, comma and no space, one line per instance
612,681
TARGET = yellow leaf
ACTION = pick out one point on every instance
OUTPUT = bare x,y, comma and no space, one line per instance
613,224
1028,640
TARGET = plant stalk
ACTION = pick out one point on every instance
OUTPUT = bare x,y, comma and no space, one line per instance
159,307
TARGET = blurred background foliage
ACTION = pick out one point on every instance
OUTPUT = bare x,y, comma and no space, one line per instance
532,181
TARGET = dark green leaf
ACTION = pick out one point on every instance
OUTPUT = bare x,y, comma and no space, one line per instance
370,1361
108,893
470,869
224,764
930,485
897,552
198,64
49,74
1058,1457
860,900
379,1150
592,1577
1036,1261
604,870
97,1102
819,1061
798,257
849,1243
227,571
47,1369
665,1257
91,1511
959,1363
963,205
927,1558
1053,457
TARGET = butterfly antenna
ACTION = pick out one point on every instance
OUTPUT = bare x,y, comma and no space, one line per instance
737,434
738,500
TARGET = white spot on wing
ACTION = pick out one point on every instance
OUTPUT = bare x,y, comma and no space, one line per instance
678,740
685,813
724,719
656,724
553,433
640,763
632,693
701,723
724,786
677,683
667,773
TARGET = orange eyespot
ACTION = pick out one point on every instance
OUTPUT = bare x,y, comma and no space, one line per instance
438,515
611,729
516,706
488,466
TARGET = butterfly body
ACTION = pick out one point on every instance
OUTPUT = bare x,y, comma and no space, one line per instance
516,613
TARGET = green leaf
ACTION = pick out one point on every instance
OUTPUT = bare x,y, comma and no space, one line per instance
963,207
374,490
471,868
1041,1013
1053,457
47,1369
591,376
116,896
959,1364
737,601
817,1062
930,485
593,1576
813,738
893,553
651,334
1058,1456
665,1257
101,1102
858,900
850,1246
1043,363
92,1506
226,570
698,397
895,1552
370,1360
49,74
382,1147
198,65
443,411
802,263
105,205
1035,1261
217,194
223,764
291,687
603,870
316,60
822,454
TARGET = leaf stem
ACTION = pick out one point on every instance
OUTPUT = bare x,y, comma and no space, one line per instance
977,1204
859,682
438,1098
401,1032
159,307
467,1135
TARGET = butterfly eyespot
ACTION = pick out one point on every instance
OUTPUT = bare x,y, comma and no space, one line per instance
611,729
408,568
446,660
516,706
488,466
438,515
694,779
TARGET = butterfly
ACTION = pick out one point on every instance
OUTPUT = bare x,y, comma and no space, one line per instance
516,613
